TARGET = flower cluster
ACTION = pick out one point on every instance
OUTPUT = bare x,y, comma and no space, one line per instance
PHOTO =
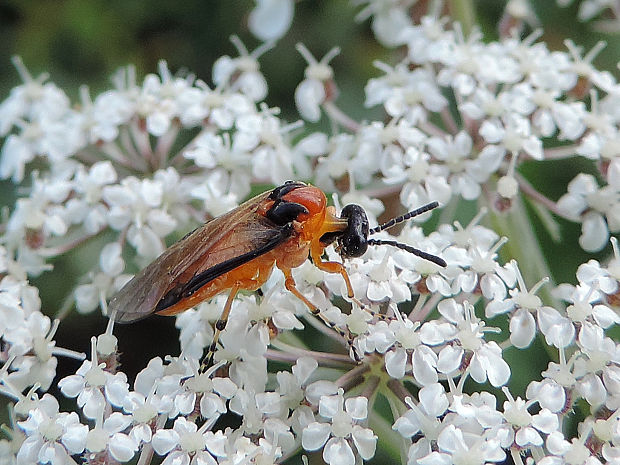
141,164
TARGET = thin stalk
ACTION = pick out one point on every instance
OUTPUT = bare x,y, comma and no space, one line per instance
290,354
523,245
391,441
352,377
464,12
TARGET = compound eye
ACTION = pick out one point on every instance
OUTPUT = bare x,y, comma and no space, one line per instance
354,240
282,213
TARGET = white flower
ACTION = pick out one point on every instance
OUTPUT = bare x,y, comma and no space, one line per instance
42,212
455,445
265,137
424,417
107,436
271,19
245,344
486,361
405,93
598,366
512,134
389,18
276,305
221,191
311,92
94,387
105,283
33,99
210,393
291,384
335,437
196,331
159,99
583,298
574,451
110,110
242,74
48,126
31,340
526,428
51,437
598,208
185,442
143,412
548,393
139,205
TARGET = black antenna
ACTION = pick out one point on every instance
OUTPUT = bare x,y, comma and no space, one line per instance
405,217
425,255
399,219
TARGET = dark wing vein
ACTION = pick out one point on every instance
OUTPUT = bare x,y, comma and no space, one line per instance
221,242
205,277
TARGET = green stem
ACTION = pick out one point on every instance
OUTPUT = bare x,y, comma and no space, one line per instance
464,12
523,245
391,441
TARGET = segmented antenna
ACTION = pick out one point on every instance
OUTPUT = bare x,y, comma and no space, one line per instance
405,217
425,255
399,219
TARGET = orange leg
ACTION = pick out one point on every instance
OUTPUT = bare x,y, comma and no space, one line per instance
336,267
332,267
291,286
254,282
220,324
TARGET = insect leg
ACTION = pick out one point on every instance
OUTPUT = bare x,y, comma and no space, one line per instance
336,267
291,286
220,324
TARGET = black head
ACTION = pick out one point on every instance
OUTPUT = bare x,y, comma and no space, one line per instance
353,242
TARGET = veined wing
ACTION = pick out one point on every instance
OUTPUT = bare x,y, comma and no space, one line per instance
220,245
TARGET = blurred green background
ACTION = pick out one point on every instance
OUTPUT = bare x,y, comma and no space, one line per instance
85,41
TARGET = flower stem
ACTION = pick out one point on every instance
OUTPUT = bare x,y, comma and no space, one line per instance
463,11
524,247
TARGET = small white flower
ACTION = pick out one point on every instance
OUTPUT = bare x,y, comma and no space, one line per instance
105,283
311,92
51,436
242,74
424,416
389,18
107,436
271,19
486,361
596,207
185,442
94,387
335,436
454,444
525,427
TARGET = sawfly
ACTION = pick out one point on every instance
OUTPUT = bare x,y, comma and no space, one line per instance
238,251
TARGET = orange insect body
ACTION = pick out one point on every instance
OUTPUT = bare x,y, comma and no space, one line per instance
309,228
238,251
